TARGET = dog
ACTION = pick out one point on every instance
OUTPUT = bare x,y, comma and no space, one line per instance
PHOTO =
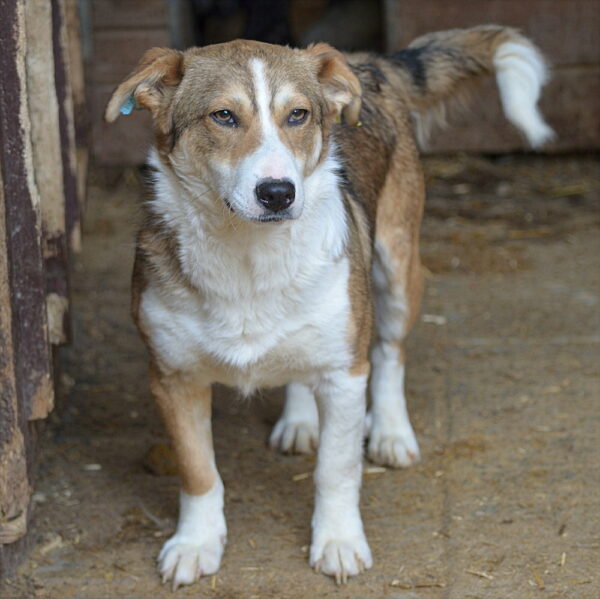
280,247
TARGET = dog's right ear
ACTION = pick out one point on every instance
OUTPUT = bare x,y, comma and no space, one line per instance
150,86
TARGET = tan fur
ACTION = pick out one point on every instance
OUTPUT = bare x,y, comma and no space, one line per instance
360,368
186,411
340,85
400,208
359,287
157,74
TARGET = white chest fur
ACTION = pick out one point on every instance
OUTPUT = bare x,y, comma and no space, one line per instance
270,301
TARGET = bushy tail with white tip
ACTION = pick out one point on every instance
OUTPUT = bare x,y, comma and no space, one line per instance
441,69
520,73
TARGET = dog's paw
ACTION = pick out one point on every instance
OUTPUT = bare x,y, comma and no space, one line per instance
341,557
394,446
294,436
183,560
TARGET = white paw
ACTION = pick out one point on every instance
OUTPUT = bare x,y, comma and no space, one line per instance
341,557
391,445
183,560
292,436
197,547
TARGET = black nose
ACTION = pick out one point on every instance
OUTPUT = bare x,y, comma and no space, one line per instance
275,194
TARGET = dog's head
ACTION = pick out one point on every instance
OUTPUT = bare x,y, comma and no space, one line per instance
245,121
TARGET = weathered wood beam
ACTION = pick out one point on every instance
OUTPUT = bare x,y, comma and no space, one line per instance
23,221
28,382
66,121
14,487
76,76
48,163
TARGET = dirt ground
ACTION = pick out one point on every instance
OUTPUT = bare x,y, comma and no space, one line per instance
503,386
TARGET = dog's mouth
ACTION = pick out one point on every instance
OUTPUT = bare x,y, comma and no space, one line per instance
263,218
272,218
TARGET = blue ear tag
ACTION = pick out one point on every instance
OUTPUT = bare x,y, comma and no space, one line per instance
128,106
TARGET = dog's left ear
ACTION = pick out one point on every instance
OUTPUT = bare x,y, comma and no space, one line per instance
340,85
150,86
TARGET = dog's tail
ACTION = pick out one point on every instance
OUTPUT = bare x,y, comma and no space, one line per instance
440,70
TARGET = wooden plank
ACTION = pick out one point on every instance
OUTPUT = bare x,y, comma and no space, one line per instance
27,364
23,223
568,31
117,51
47,163
14,485
67,125
129,14
81,122
566,104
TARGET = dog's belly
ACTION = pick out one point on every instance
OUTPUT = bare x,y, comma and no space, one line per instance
250,344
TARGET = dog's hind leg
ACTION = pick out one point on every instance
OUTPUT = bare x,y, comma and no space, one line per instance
297,430
397,283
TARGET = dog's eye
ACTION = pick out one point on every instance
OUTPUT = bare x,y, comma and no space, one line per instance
297,116
225,117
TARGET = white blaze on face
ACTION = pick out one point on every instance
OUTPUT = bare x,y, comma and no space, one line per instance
271,160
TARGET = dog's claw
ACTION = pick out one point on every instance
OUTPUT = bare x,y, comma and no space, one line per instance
294,437
342,559
184,563
361,564
393,446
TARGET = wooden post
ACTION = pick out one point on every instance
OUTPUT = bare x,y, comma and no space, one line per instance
26,391
23,221
76,77
46,142
14,488
66,121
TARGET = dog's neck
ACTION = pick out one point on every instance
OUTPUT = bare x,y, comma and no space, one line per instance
216,246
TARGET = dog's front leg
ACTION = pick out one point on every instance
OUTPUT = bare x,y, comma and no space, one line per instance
339,547
197,545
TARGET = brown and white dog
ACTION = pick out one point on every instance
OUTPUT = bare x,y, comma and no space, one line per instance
280,247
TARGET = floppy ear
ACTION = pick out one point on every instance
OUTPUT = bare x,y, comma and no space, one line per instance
151,84
340,85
